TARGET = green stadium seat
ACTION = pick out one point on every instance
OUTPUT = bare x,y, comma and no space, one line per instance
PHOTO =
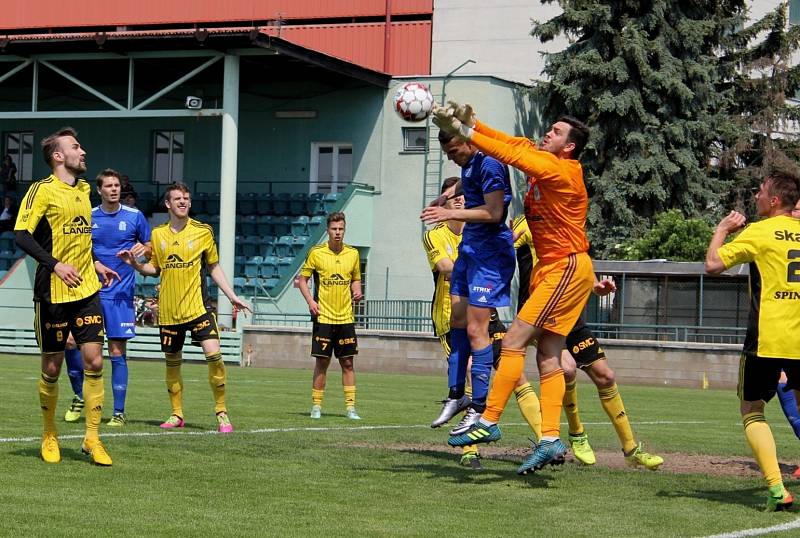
299,225
252,265
298,204
269,267
250,225
265,203
247,204
283,247
281,204
315,204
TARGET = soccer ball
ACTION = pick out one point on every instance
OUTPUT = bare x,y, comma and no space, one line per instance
413,101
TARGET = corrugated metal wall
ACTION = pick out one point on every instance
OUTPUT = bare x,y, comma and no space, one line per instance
54,14
363,44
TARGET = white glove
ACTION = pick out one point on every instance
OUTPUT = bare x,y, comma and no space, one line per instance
465,113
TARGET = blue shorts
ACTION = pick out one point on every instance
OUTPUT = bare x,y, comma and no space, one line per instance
484,277
119,317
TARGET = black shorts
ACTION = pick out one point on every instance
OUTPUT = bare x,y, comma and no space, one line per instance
54,322
202,328
328,340
759,376
583,346
497,330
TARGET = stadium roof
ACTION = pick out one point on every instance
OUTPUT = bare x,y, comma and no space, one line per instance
222,39
379,35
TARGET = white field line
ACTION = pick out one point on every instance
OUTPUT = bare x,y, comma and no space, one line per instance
760,531
162,433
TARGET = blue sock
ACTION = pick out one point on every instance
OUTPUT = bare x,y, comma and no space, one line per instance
75,370
119,382
789,406
457,362
482,360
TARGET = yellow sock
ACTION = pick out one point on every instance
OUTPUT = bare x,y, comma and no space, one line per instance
94,395
175,383
316,396
571,408
612,405
529,406
217,378
552,388
505,379
470,450
48,399
349,396
759,437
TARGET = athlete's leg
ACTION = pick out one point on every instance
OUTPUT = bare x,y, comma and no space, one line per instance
460,348
482,354
117,350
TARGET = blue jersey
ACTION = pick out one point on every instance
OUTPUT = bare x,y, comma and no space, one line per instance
482,175
112,232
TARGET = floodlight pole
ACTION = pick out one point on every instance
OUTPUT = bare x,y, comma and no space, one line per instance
227,185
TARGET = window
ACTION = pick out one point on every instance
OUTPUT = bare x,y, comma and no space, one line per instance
794,12
168,150
331,166
415,139
19,146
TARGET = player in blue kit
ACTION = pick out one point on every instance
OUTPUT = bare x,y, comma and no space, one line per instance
481,277
116,227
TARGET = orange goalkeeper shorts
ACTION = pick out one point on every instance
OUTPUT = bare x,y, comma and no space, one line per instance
558,293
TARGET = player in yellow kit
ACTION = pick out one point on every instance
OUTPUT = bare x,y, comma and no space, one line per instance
336,269
183,251
772,248
54,227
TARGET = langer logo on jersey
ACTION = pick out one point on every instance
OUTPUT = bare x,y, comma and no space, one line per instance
123,226
79,225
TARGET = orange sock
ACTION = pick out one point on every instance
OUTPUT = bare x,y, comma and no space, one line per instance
552,395
505,379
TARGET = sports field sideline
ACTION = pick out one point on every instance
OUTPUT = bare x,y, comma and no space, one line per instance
282,474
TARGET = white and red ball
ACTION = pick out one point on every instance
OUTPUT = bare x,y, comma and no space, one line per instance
413,101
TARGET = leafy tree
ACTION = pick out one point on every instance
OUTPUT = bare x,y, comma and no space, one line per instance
645,76
758,63
672,237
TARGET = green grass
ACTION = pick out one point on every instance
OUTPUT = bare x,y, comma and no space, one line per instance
278,476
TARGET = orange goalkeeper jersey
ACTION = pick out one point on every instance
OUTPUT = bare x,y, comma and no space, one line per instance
556,202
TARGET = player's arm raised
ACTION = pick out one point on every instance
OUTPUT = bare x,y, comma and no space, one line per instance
218,275
732,222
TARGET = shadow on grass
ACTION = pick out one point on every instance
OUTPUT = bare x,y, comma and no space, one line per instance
67,453
445,465
754,498
156,423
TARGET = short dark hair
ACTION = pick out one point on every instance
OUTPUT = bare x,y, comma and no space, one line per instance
336,216
578,134
106,172
444,137
785,186
50,143
177,186
449,182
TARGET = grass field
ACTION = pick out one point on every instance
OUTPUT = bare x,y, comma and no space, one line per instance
282,474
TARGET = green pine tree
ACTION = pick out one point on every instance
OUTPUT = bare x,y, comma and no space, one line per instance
645,76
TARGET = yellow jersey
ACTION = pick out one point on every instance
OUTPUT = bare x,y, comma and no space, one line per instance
772,248
58,216
333,273
183,258
440,242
